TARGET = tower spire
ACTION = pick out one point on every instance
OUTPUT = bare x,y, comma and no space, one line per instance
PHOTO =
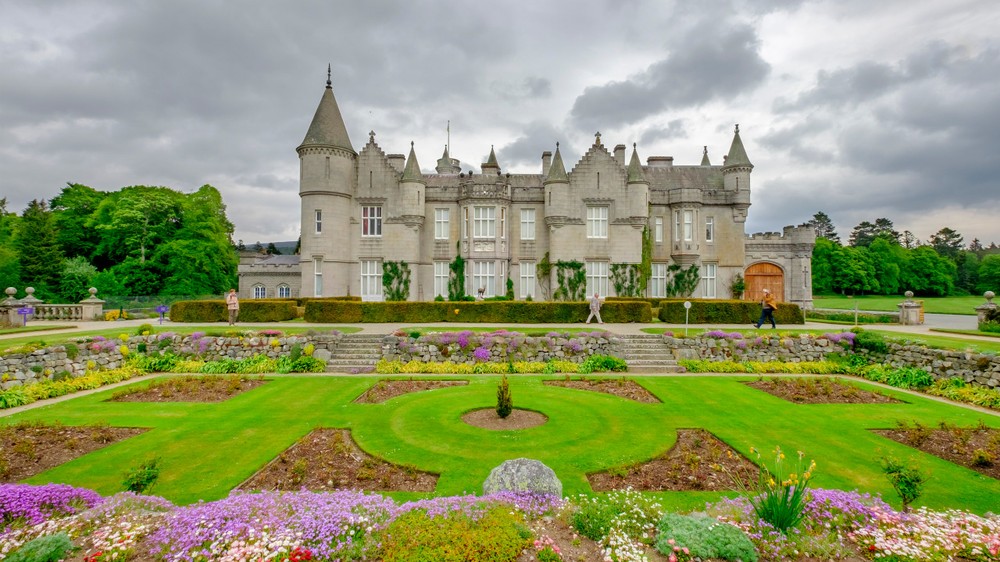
329,78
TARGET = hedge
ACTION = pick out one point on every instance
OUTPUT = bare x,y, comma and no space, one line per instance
257,310
717,311
496,311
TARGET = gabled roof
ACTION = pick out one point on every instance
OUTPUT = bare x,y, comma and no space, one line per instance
327,127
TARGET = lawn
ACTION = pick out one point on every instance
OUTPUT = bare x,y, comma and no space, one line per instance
208,449
935,305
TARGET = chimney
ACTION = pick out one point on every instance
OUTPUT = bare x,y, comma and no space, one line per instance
620,154
397,161
660,161
546,162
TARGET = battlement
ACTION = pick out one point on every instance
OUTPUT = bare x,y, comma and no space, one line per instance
804,233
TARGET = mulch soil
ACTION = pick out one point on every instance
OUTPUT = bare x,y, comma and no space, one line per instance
29,449
975,448
212,388
386,389
819,390
623,388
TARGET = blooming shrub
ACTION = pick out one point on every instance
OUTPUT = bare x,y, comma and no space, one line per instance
621,521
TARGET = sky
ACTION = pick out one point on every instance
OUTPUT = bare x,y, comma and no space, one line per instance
858,109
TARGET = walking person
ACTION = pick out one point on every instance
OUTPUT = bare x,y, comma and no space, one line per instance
767,307
233,304
595,308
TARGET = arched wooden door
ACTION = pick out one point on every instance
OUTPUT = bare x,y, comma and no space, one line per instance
760,276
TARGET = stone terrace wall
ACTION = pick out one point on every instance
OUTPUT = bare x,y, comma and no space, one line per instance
974,368
462,347
43,364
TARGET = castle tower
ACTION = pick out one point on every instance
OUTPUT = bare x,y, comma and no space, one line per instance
327,179
638,189
736,176
403,232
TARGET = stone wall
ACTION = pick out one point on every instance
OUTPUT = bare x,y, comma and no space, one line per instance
974,368
463,347
30,366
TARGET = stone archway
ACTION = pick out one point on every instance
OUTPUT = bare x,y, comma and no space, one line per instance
763,275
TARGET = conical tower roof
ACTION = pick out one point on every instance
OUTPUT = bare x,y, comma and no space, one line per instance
635,174
492,160
737,154
557,171
411,173
327,127
704,158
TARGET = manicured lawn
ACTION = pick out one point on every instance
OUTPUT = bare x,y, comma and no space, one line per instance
943,342
937,305
208,449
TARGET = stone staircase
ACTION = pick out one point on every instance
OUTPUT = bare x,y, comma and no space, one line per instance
647,353
356,353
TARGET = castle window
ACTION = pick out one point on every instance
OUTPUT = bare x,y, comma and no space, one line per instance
597,222
317,277
597,277
441,224
503,222
677,226
259,292
688,226
441,278
527,279
319,221
658,280
484,277
709,229
527,224
371,280
284,291
465,224
484,222
658,229
708,275
371,221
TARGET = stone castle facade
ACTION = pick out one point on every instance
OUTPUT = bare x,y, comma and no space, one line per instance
365,209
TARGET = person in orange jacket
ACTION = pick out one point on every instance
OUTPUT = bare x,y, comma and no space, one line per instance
768,306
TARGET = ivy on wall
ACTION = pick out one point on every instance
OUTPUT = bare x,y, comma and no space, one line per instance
627,279
571,278
396,280
543,272
682,282
456,276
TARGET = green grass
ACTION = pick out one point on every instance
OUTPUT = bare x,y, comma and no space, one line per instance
32,328
942,342
114,332
207,449
935,305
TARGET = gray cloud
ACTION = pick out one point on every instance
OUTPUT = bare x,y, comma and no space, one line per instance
673,129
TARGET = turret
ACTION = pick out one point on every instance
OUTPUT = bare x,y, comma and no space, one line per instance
556,188
491,167
412,188
448,165
637,187
736,176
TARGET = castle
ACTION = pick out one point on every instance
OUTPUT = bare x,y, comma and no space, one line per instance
366,210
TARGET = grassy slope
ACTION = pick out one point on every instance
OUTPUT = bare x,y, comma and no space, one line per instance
207,449
59,339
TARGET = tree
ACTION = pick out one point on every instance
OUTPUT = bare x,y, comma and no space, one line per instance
865,233
886,259
975,245
77,276
272,250
135,220
927,273
37,244
967,275
824,227
947,242
10,268
822,265
854,272
74,208
908,240
989,274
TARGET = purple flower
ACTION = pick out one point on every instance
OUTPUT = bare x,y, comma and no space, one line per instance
482,353
24,504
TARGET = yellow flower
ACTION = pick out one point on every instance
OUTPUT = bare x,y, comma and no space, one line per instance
123,337
456,311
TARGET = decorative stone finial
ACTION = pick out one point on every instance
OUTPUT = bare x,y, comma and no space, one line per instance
988,295
597,138
30,291
329,82
737,127
92,291
11,291
371,137
908,295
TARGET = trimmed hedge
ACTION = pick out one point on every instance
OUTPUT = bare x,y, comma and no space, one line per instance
716,311
495,311
257,310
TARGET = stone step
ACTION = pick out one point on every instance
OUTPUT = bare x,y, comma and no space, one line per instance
638,369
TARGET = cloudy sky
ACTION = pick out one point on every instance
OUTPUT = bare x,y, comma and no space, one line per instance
856,108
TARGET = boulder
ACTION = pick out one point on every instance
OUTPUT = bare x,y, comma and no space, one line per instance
523,475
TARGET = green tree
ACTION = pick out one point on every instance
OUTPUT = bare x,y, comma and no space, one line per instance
927,273
822,265
967,275
37,244
74,209
77,276
10,268
199,259
854,272
824,227
947,242
138,278
989,274
886,258
135,220
866,232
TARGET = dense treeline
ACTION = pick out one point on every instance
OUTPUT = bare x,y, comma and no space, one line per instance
879,260
137,241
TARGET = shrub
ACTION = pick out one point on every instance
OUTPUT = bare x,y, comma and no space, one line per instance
505,404
72,351
144,330
602,363
47,548
908,481
595,517
497,535
142,477
717,311
871,341
702,537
